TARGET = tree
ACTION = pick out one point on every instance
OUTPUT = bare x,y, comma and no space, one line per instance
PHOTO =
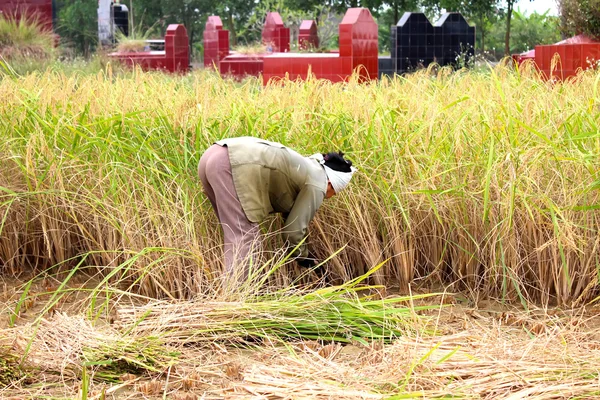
580,16
187,12
509,10
158,14
387,14
236,14
305,5
146,13
400,6
527,32
484,12
75,25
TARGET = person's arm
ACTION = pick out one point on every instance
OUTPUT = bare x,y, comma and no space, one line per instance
306,205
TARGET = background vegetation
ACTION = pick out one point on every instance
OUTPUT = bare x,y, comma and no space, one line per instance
244,20
580,16
24,39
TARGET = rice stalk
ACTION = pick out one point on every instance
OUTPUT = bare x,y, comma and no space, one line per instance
478,181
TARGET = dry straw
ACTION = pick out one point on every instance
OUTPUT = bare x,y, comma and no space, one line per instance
481,354
152,337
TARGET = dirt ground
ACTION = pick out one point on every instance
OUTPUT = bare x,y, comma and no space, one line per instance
466,349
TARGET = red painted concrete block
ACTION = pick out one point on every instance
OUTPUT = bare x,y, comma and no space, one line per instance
216,42
241,65
358,42
590,54
522,57
308,37
571,59
217,53
274,35
574,54
177,48
175,57
358,51
37,9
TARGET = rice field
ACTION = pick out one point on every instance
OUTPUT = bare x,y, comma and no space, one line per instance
464,257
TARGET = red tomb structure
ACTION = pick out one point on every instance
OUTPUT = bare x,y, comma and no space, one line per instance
174,58
522,57
41,10
579,52
275,37
308,37
216,42
358,40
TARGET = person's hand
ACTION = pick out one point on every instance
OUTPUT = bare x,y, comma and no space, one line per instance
310,262
306,262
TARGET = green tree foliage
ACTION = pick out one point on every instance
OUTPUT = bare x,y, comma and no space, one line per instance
78,24
77,19
580,16
484,13
527,32
190,13
236,15
249,23
150,18
399,7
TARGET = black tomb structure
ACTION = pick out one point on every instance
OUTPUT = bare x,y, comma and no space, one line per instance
121,18
416,43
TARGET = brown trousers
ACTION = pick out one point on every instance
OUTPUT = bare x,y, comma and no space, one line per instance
239,234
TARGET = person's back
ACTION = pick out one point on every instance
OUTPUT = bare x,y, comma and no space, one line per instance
269,176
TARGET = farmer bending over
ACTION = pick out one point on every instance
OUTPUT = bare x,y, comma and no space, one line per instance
248,178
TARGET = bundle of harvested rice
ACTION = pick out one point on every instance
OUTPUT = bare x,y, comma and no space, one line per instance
334,314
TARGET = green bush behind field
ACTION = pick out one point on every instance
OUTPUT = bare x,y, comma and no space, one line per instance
485,181
24,39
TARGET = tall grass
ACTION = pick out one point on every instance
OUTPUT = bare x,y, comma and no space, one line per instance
483,181
24,37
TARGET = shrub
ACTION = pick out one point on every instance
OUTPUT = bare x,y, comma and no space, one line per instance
24,37
580,16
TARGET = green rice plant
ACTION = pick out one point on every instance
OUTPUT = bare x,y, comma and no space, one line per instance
150,336
70,343
85,382
15,313
479,181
